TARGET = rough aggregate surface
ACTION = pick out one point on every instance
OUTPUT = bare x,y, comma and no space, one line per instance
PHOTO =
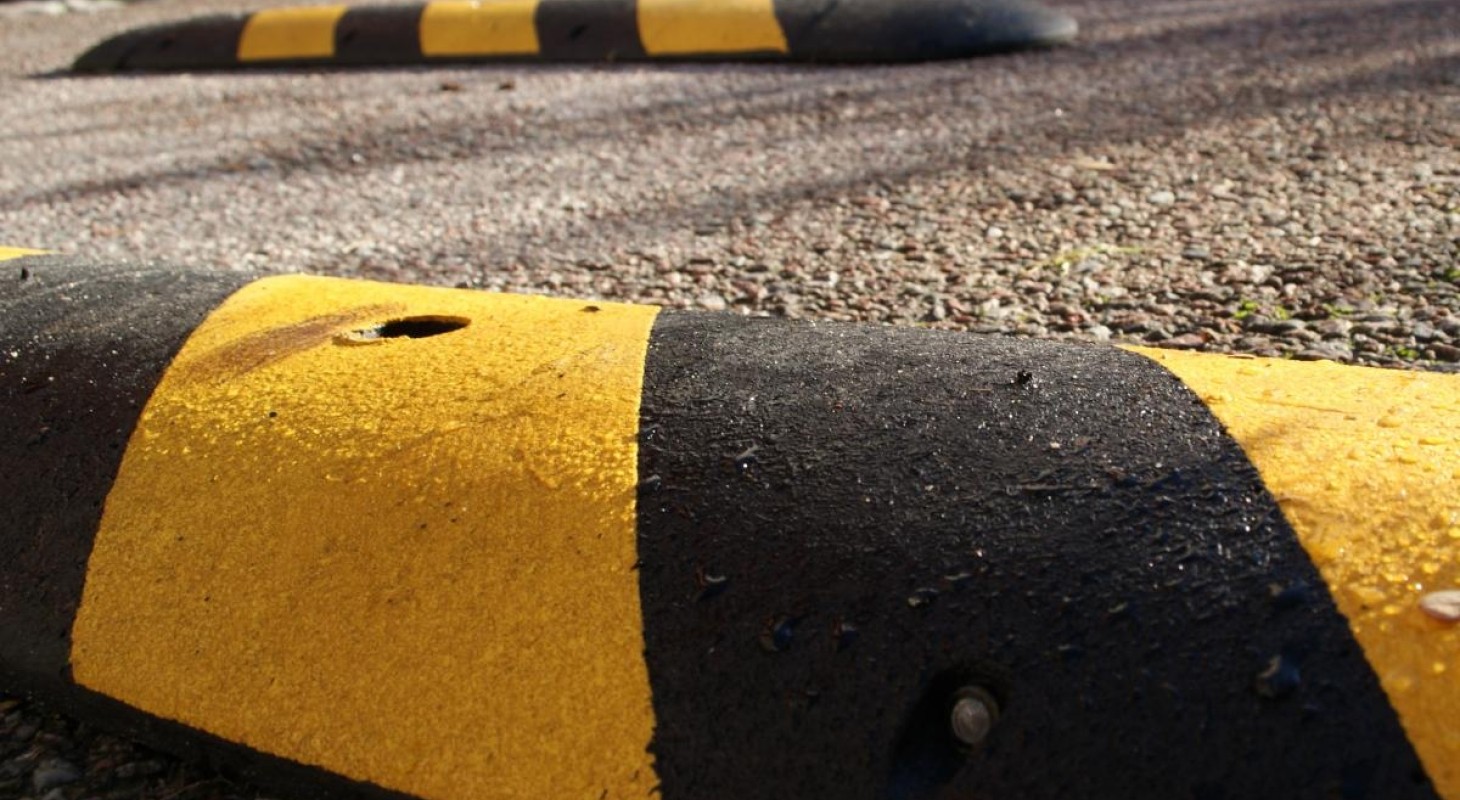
1269,177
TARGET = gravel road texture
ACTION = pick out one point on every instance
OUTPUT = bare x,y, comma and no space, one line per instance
1272,177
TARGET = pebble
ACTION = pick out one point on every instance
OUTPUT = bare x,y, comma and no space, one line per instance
711,302
1443,606
1333,328
52,773
1445,352
1325,351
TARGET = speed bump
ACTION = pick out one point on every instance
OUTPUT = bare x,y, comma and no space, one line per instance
586,30
392,541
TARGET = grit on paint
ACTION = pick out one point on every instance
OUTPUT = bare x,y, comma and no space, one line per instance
391,543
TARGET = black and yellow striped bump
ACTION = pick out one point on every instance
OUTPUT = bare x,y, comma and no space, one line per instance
587,30
360,539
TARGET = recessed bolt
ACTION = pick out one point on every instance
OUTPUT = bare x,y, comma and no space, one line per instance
974,713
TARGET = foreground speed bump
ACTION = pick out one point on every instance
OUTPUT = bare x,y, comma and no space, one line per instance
587,30
378,540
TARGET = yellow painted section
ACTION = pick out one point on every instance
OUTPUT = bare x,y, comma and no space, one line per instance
1365,464
288,33
7,253
479,28
409,561
689,27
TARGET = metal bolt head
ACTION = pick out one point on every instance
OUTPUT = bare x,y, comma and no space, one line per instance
974,713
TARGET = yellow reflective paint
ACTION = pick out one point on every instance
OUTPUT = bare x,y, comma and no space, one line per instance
407,560
687,27
1365,464
7,253
279,34
479,28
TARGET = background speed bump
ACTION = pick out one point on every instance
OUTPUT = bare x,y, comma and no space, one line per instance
587,30
404,541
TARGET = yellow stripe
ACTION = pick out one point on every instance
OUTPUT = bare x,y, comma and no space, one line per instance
7,253
406,560
688,27
1365,464
289,33
479,28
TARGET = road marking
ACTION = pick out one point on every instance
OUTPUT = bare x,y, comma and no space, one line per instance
690,27
7,253
1364,463
283,34
408,561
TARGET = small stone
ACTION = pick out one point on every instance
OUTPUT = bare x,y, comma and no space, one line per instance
922,598
1443,606
777,634
1280,679
1446,352
1274,327
1325,351
1161,198
1100,333
54,772
1186,341
711,302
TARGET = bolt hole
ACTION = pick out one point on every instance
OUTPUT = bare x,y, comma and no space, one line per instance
406,328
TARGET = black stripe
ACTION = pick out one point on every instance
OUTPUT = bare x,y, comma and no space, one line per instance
205,43
588,30
82,346
379,35
839,527
889,30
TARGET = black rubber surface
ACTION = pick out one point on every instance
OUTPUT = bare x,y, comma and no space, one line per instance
926,30
367,34
589,30
206,42
841,526
82,346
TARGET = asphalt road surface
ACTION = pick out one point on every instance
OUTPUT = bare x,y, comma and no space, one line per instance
1274,177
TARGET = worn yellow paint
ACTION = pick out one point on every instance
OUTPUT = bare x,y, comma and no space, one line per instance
689,27
479,28
1365,464
279,34
409,561
7,253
